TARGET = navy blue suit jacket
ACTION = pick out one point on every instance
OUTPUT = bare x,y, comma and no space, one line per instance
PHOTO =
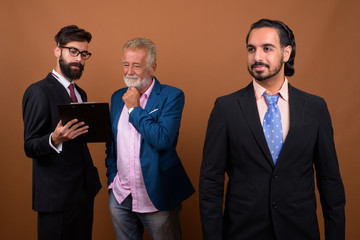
158,124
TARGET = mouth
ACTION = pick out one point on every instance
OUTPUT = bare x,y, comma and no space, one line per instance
75,66
132,77
259,67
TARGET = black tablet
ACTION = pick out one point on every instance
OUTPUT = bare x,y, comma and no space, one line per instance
95,115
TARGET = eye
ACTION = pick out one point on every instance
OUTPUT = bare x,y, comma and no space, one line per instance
73,51
85,54
250,49
267,49
125,65
137,66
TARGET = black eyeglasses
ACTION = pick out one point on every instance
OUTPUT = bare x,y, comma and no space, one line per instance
75,52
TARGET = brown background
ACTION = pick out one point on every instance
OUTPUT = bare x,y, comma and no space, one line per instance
201,50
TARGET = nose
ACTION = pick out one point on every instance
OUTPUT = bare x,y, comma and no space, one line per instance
78,58
259,56
130,70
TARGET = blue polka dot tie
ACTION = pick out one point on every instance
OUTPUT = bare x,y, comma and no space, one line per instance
272,126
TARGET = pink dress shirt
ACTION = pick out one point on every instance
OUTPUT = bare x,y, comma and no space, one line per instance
129,178
283,104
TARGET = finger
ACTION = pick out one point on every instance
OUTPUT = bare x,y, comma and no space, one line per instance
59,124
132,90
79,132
77,125
70,123
135,89
80,128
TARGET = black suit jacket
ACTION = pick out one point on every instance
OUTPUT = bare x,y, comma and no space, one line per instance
264,201
60,181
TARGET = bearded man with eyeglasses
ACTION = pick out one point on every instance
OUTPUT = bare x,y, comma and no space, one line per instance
65,180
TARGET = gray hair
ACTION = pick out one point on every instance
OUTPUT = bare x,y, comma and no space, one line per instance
143,43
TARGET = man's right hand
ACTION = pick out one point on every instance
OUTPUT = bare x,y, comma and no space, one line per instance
71,130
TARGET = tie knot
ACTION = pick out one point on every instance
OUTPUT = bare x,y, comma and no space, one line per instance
71,87
271,99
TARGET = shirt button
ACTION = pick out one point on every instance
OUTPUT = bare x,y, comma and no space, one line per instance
274,204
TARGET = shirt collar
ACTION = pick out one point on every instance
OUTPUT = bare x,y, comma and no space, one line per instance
149,90
61,79
284,90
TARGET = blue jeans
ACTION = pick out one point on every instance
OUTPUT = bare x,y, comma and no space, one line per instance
129,225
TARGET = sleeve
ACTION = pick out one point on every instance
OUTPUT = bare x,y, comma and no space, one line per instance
110,160
58,148
212,175
161,132
37,130
329,183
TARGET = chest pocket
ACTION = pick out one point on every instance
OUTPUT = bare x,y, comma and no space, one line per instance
155,113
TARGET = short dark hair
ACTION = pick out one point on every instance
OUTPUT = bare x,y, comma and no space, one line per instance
286,38
72,33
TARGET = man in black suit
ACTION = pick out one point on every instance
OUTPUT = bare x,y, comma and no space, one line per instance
271,191
65,180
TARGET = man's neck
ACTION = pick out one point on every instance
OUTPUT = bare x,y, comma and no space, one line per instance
58,70
273,84
146,88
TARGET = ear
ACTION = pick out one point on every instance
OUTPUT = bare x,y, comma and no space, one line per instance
287,53
153,68
57,51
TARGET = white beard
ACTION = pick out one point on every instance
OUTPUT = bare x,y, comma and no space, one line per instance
134,81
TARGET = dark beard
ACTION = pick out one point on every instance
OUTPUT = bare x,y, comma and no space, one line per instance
262,78
71,74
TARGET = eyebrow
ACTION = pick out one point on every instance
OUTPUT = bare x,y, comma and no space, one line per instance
134,63
269,45
263,45
78,49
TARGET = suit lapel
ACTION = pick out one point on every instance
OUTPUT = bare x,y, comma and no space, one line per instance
82,93
297,106
62,92
153,96
58,89
247,102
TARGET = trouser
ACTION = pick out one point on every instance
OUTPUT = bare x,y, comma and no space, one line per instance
129,225
68,225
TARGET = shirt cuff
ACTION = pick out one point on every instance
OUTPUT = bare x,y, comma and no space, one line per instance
57,149
130,110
